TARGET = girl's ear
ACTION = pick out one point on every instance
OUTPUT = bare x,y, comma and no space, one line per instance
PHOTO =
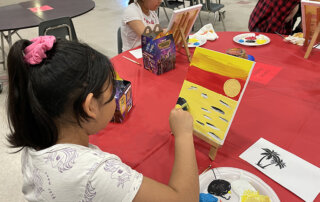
90,106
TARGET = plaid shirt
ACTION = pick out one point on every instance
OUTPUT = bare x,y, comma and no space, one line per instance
270,15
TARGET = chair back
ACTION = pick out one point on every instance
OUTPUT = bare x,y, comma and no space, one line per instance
173,4
207,2
214,7
119,40
165,3
203,2
60,28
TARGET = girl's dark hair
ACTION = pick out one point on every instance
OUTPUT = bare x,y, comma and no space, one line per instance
40,94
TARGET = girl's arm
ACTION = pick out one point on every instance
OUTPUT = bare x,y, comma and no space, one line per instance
292,14
137,26
184,180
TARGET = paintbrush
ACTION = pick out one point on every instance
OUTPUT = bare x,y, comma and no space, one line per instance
206,169
279,34
131,60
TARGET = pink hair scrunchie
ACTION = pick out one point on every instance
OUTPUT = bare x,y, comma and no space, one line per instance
36,52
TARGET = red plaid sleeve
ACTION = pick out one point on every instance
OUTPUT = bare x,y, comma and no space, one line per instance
270,15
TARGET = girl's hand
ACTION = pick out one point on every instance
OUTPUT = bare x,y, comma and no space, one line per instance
181,122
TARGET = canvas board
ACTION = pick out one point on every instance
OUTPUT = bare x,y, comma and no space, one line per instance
309,7
213,88
192,12
297,175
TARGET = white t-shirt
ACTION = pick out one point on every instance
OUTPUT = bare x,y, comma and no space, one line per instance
133,12
69,172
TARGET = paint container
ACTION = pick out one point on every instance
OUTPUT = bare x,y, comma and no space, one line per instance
238,52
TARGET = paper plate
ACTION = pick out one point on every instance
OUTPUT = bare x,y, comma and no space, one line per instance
231,174
251,39
195,40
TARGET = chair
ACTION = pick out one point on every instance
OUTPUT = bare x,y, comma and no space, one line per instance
213,7
164,10
170,4
173,3
3,61
6,37
119,40
60,28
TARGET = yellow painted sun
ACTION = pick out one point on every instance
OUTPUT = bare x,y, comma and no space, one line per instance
232,87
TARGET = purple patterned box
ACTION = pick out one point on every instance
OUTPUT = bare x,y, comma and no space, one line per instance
159,55
123,99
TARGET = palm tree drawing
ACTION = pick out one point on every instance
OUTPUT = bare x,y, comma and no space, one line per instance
281,164
271,157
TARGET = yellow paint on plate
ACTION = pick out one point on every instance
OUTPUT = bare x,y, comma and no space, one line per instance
193,40
261,41
249,196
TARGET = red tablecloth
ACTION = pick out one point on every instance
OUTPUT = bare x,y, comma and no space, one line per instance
284,111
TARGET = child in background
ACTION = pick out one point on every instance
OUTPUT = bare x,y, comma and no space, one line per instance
138,15
60,92
274,16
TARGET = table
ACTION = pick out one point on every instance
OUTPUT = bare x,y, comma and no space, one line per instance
285,112
19,16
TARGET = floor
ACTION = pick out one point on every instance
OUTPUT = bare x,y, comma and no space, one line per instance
97,28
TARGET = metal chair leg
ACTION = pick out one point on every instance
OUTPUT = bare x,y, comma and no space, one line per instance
8,38
3,53
18,35
214,19
165,12
209,16
200,19
221,17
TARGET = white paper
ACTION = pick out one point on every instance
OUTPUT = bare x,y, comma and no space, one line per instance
137,53
297,175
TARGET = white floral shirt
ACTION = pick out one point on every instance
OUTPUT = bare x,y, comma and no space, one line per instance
133,12
69,172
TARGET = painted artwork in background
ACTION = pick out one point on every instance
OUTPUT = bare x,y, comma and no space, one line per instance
191,14
311,9
213,88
